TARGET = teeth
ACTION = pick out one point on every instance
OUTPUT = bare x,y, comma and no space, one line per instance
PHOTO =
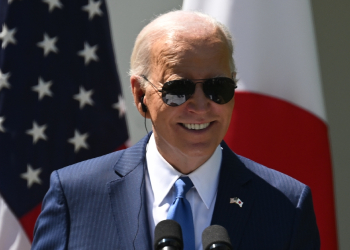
196,126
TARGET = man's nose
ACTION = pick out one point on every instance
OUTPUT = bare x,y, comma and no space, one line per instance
198,102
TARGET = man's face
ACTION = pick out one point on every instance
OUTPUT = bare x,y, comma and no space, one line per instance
191,58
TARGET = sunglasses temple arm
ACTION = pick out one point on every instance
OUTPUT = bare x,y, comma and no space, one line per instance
144,77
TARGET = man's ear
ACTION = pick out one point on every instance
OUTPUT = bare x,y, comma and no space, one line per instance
139,95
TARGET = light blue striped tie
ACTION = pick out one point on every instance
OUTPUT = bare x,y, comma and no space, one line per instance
181,212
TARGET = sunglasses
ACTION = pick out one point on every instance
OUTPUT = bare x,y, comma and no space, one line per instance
219,89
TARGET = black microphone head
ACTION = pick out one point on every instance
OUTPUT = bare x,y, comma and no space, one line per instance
216,237
168,233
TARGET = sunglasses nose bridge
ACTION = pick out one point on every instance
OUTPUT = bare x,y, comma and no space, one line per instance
201,86
198,96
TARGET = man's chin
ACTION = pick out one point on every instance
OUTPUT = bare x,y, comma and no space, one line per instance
199,149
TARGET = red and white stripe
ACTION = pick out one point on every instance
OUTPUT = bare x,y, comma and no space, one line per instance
279,117
12,235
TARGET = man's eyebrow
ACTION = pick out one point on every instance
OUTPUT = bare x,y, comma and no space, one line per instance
176,77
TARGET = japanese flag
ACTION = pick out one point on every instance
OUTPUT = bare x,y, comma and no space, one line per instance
279,117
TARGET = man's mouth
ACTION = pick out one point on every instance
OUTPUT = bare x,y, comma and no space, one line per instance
196,126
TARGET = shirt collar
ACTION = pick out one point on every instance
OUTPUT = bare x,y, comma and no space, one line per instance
163,176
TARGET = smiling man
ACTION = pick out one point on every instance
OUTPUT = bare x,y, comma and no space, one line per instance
187,134
183,79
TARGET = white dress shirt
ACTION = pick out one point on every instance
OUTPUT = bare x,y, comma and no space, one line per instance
160,179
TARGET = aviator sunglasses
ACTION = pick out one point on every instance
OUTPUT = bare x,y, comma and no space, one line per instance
174,93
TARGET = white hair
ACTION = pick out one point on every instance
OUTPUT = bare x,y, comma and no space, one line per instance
167,25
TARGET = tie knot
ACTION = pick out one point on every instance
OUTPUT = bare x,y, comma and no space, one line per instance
182,185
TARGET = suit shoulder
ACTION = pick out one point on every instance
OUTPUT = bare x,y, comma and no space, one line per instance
90,168
103,167
289,186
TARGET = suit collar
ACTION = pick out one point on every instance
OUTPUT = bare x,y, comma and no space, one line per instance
128,198
131,157
235,181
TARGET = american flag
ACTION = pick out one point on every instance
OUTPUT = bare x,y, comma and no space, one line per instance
60,97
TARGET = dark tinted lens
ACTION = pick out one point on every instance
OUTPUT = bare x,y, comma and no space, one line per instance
220,89
175,93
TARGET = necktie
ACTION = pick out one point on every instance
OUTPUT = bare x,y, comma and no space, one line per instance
181,212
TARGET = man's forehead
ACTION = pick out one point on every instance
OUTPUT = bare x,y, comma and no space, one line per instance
171,48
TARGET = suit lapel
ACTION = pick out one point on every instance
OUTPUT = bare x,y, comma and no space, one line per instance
235,181
128,198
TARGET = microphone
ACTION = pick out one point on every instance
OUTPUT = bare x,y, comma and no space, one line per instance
216,237
168,236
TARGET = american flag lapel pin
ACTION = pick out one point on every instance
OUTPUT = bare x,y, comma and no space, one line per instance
237,201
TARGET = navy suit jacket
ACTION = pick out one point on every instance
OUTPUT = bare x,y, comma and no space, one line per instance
101,204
